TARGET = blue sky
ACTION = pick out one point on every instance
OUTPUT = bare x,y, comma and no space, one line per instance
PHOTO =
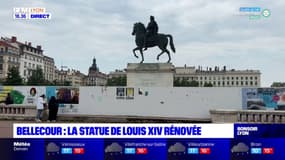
206,32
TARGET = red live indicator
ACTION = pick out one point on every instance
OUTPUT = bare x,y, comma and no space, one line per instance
78,151
205,150
267,150
141,151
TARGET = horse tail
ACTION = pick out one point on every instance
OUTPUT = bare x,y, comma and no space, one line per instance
171,42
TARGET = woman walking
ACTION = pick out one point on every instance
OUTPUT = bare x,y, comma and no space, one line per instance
53,109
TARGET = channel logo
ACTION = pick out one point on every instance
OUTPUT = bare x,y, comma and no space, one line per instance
66,150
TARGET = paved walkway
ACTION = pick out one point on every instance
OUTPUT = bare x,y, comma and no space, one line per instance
6,129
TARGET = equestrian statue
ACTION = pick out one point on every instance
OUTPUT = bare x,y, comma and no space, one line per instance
149,37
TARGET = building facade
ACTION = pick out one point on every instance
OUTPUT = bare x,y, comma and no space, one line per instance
30,57
95,77
219,78
117,74
9,57
49,68
69,77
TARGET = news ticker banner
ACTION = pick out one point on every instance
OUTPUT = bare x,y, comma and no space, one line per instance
142,149
105,130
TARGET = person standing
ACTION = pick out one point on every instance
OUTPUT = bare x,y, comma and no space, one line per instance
9,99
53,109
40,107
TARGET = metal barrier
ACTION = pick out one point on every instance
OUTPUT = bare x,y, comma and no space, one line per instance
248,116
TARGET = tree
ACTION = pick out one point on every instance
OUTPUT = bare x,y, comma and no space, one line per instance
208,84
193,84
13,77
117,81
278,84
185,83
37,77
67,83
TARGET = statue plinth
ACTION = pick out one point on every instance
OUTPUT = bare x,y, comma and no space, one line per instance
150,74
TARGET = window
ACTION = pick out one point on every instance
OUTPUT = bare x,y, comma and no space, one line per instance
25,73
1,58
1,66
241,78
2,50
29,64
232,78
33,65
251,83
25,64
255,78
241,83
256,83
237,83
250,78
246,78
236,78
232,83
246,83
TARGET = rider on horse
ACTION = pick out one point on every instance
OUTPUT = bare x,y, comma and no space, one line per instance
151,30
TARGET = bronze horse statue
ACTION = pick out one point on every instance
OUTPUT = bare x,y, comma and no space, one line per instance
160,40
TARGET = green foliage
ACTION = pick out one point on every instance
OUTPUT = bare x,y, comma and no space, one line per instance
117,81
37,77
185,83
278,84
13,77
67,83
208,84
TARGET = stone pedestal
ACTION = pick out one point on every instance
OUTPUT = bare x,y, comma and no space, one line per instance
150,74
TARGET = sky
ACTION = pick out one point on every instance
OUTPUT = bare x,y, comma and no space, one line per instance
206,33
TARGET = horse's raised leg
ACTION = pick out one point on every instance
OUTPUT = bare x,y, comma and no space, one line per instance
134,51
157,58
169,58
141,55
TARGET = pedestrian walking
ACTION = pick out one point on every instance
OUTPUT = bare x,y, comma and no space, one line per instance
40,107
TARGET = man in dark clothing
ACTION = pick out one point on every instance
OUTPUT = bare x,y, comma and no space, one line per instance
151,30
9,99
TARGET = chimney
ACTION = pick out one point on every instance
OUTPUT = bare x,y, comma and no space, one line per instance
29,43
39,47
13,39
